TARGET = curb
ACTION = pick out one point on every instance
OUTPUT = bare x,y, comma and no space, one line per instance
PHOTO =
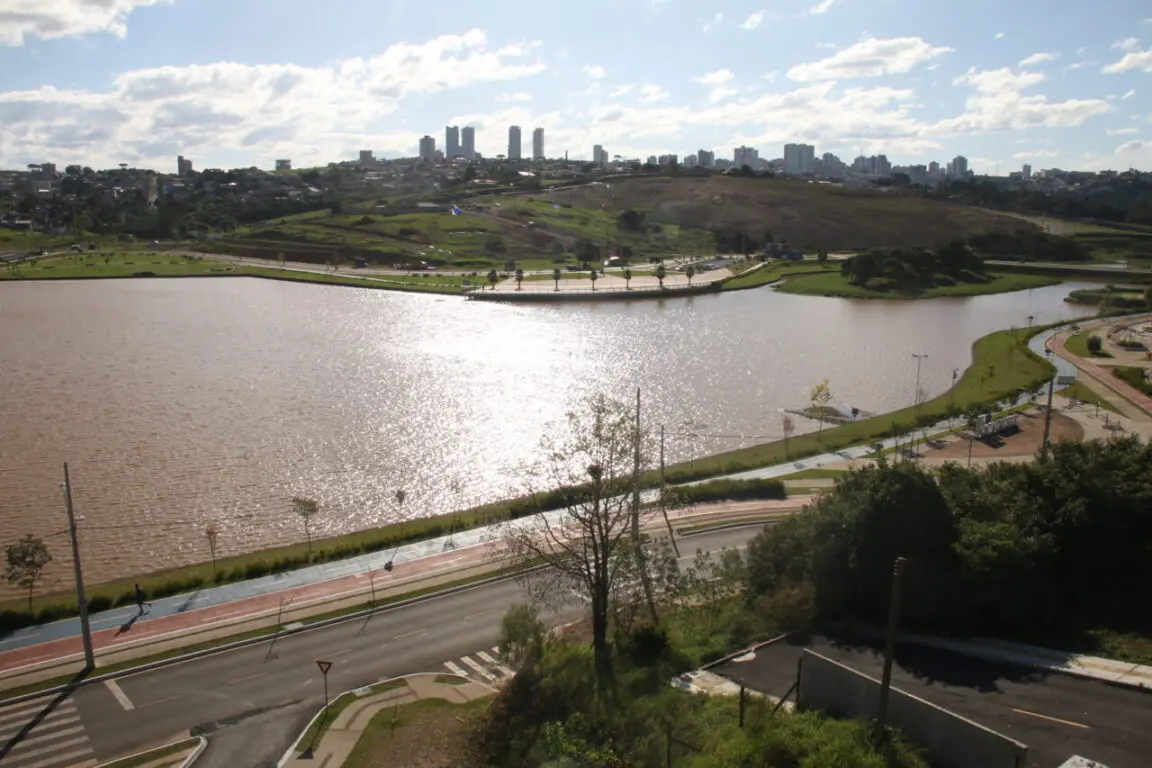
751,648
69,687
192,758
684,534
202,744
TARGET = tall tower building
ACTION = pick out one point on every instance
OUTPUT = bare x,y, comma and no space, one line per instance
428,149
959,167
468,142
599,155
538,144
451,142
514,143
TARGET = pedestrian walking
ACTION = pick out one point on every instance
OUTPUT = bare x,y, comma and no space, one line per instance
140,599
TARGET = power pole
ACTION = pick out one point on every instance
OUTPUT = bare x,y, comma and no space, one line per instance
1047,418
641,559
890,641
663,498
85,628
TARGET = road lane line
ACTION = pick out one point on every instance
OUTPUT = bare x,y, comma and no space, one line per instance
8,731
481,613
410,634
1053,719
31,710
503,670
20,752
158,701
120,696
340,653
477,668
245,679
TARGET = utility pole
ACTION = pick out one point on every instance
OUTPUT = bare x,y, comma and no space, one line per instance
920,358
1047,418
890,641
663,498
641,560
82,602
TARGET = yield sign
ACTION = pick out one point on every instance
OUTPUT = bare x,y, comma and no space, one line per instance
324,667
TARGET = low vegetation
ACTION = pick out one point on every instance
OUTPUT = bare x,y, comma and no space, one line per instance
1029,245
841,287
1111,298
1133,376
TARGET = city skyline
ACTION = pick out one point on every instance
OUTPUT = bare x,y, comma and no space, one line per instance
138,82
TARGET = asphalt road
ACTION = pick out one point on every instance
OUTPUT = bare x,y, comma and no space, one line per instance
1057,716
251,702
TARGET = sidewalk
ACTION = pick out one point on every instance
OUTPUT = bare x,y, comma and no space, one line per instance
1131,398
342,735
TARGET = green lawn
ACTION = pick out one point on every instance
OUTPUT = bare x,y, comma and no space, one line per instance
155,756
835,284
1082,393
319,726
770,273
1077,344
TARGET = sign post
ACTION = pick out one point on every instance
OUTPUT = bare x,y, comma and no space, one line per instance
325,666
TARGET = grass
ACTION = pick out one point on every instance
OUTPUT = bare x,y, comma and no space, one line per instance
816,474
835,284
1002,364
426,733
766,517
1134,377
770,273
1077,344
1082,393
450,680
319,726
147,758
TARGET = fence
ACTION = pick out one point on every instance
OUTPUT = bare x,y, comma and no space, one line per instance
586,293
951,740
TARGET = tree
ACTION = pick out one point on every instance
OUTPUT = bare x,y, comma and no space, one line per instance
1094,343
522,635
306,509
822,256
493,278
556,278
789,427
519,278
593,276
632,220
589,461
661,273
25,561
690,272
627,279
820,396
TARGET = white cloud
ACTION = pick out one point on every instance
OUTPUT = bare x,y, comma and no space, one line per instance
772,76
623,90
999,104
650,93
821,7
719,77
871,57
308,113
1128,95
1039,58
754,20
832,46
1128,45
1039,153
595,71
1078,65
1123,131
999,36
717,20
49,19
519,96
1134,59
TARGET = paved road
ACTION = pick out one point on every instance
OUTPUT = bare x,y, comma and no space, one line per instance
250,702
1055,715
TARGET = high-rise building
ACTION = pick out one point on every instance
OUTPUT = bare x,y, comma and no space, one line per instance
746,156
651,160
428,149
366,157
284,164
1027,172
452,142
538,144
468,142
799,159
933,168
599,155
959,167
705,158
183,166
669,159
514,143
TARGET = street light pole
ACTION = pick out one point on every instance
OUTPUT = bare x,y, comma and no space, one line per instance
920,358
890,640
82,602
1048,410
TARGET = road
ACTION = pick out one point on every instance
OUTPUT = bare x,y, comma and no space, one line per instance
1055,715
252,701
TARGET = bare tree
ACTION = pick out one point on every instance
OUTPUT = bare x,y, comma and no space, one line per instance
590,550
24,562
306,509
789,427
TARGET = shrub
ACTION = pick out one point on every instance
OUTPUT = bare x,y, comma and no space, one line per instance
882,284
968,276
365,220
408,231
1094,344
99,603
721,490
944,280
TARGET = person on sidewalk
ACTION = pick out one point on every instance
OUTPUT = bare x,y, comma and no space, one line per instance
140,599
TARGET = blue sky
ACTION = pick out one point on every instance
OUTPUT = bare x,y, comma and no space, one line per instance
241,82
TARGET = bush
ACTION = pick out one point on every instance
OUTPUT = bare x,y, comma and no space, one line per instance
944,280
99,603
968,276
408,231
365,220
1094,344
882,284
724,490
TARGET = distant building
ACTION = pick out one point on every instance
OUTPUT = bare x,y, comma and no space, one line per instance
468,142
366,157
452,142
48,170
934,169
746,156
799,159
705,158
428,149
183,166
538,144
1027,172
671,159
285,164
959,166
599,155
514,143
651,160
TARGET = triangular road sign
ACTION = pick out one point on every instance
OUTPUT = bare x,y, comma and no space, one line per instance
324,666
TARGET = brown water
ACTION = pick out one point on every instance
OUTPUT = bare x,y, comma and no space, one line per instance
180,403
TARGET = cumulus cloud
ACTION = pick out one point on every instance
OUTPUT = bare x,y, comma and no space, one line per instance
1122,131
821,7
871,57
1128,45
595,71
514,97
49,19
265,109
754,20
1134,58
998,104
651,93
719,80
1039,58
1131,93
717,20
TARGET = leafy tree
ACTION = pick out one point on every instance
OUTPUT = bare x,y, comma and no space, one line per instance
1094,343
306,509
661,273
822,255
690,272
522,635
556,275
820,397
627,279
632,220
25,560
519,278
593,276
493,278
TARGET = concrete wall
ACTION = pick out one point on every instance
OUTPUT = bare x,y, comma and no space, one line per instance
951,741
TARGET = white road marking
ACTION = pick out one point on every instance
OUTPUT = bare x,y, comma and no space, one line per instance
120,696
477,668
1053,719
19,752
31,710
455,669
503,670
9,731
60,760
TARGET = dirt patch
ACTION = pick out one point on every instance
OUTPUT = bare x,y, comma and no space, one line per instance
428,734
1024,442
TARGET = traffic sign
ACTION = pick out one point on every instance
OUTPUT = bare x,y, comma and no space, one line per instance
324,667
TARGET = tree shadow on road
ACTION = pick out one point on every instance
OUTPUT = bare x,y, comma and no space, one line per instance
51,706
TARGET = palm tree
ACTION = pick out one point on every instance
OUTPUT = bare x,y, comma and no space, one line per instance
627,279
690,272
519,278
593,276
660,274
492,278
556,278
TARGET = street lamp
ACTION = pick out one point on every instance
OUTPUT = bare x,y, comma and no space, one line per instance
81,601
1048,409
920,358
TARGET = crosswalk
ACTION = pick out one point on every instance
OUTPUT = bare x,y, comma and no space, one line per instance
485,666
29,738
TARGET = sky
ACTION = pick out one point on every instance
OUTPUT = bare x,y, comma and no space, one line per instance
1053,83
